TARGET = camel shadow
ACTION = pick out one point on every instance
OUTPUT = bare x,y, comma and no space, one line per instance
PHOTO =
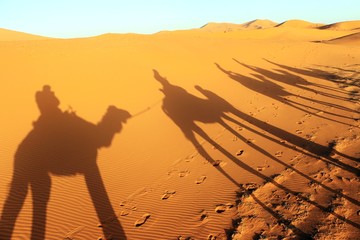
63,144
286,77
185,109
313,147
273,90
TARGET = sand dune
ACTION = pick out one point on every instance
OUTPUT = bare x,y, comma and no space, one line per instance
351,39
229,27
348,25
232,135
263,24
299,24
259,24
9,35
221,27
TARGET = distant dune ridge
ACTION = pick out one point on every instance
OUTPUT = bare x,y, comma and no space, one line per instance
265,24
9,35
299,24
259,24
238,131
348,25
255,24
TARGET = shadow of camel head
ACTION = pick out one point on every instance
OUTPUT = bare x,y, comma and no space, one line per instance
110,124
114,117
164,82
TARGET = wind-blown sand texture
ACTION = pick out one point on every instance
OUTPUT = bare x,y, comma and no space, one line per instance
223,132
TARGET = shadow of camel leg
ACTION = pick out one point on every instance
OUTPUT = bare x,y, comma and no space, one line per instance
189,134
264,177
13,205
201,150
105,212
40,188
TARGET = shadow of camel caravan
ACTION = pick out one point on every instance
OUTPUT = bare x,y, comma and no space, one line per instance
63,144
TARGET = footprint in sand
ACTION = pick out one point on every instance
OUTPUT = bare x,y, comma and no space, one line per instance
250,140
124,213
239,153
261,168
299,131
184,238
204,215
127,208
211,237
142,220
200,180
167,194
190,158
184,173
216,163
279,154
223,207
71,234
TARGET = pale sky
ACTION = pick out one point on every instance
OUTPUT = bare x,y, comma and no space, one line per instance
81,18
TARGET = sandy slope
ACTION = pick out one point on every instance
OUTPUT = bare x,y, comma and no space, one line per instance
299,24
348,25
9,35
225,126
351,39
229,27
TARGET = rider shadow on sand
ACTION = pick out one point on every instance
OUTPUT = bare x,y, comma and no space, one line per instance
62,144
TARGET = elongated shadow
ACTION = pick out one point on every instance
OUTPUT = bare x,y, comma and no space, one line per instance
286,77
341,69
184,109
308,146
317,73
276,92
63,144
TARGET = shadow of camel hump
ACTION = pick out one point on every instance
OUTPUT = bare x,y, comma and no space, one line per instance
61,143
184,109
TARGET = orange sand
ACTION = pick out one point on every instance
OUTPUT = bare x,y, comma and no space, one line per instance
242,133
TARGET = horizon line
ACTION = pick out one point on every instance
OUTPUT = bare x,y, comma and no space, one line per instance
168,30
